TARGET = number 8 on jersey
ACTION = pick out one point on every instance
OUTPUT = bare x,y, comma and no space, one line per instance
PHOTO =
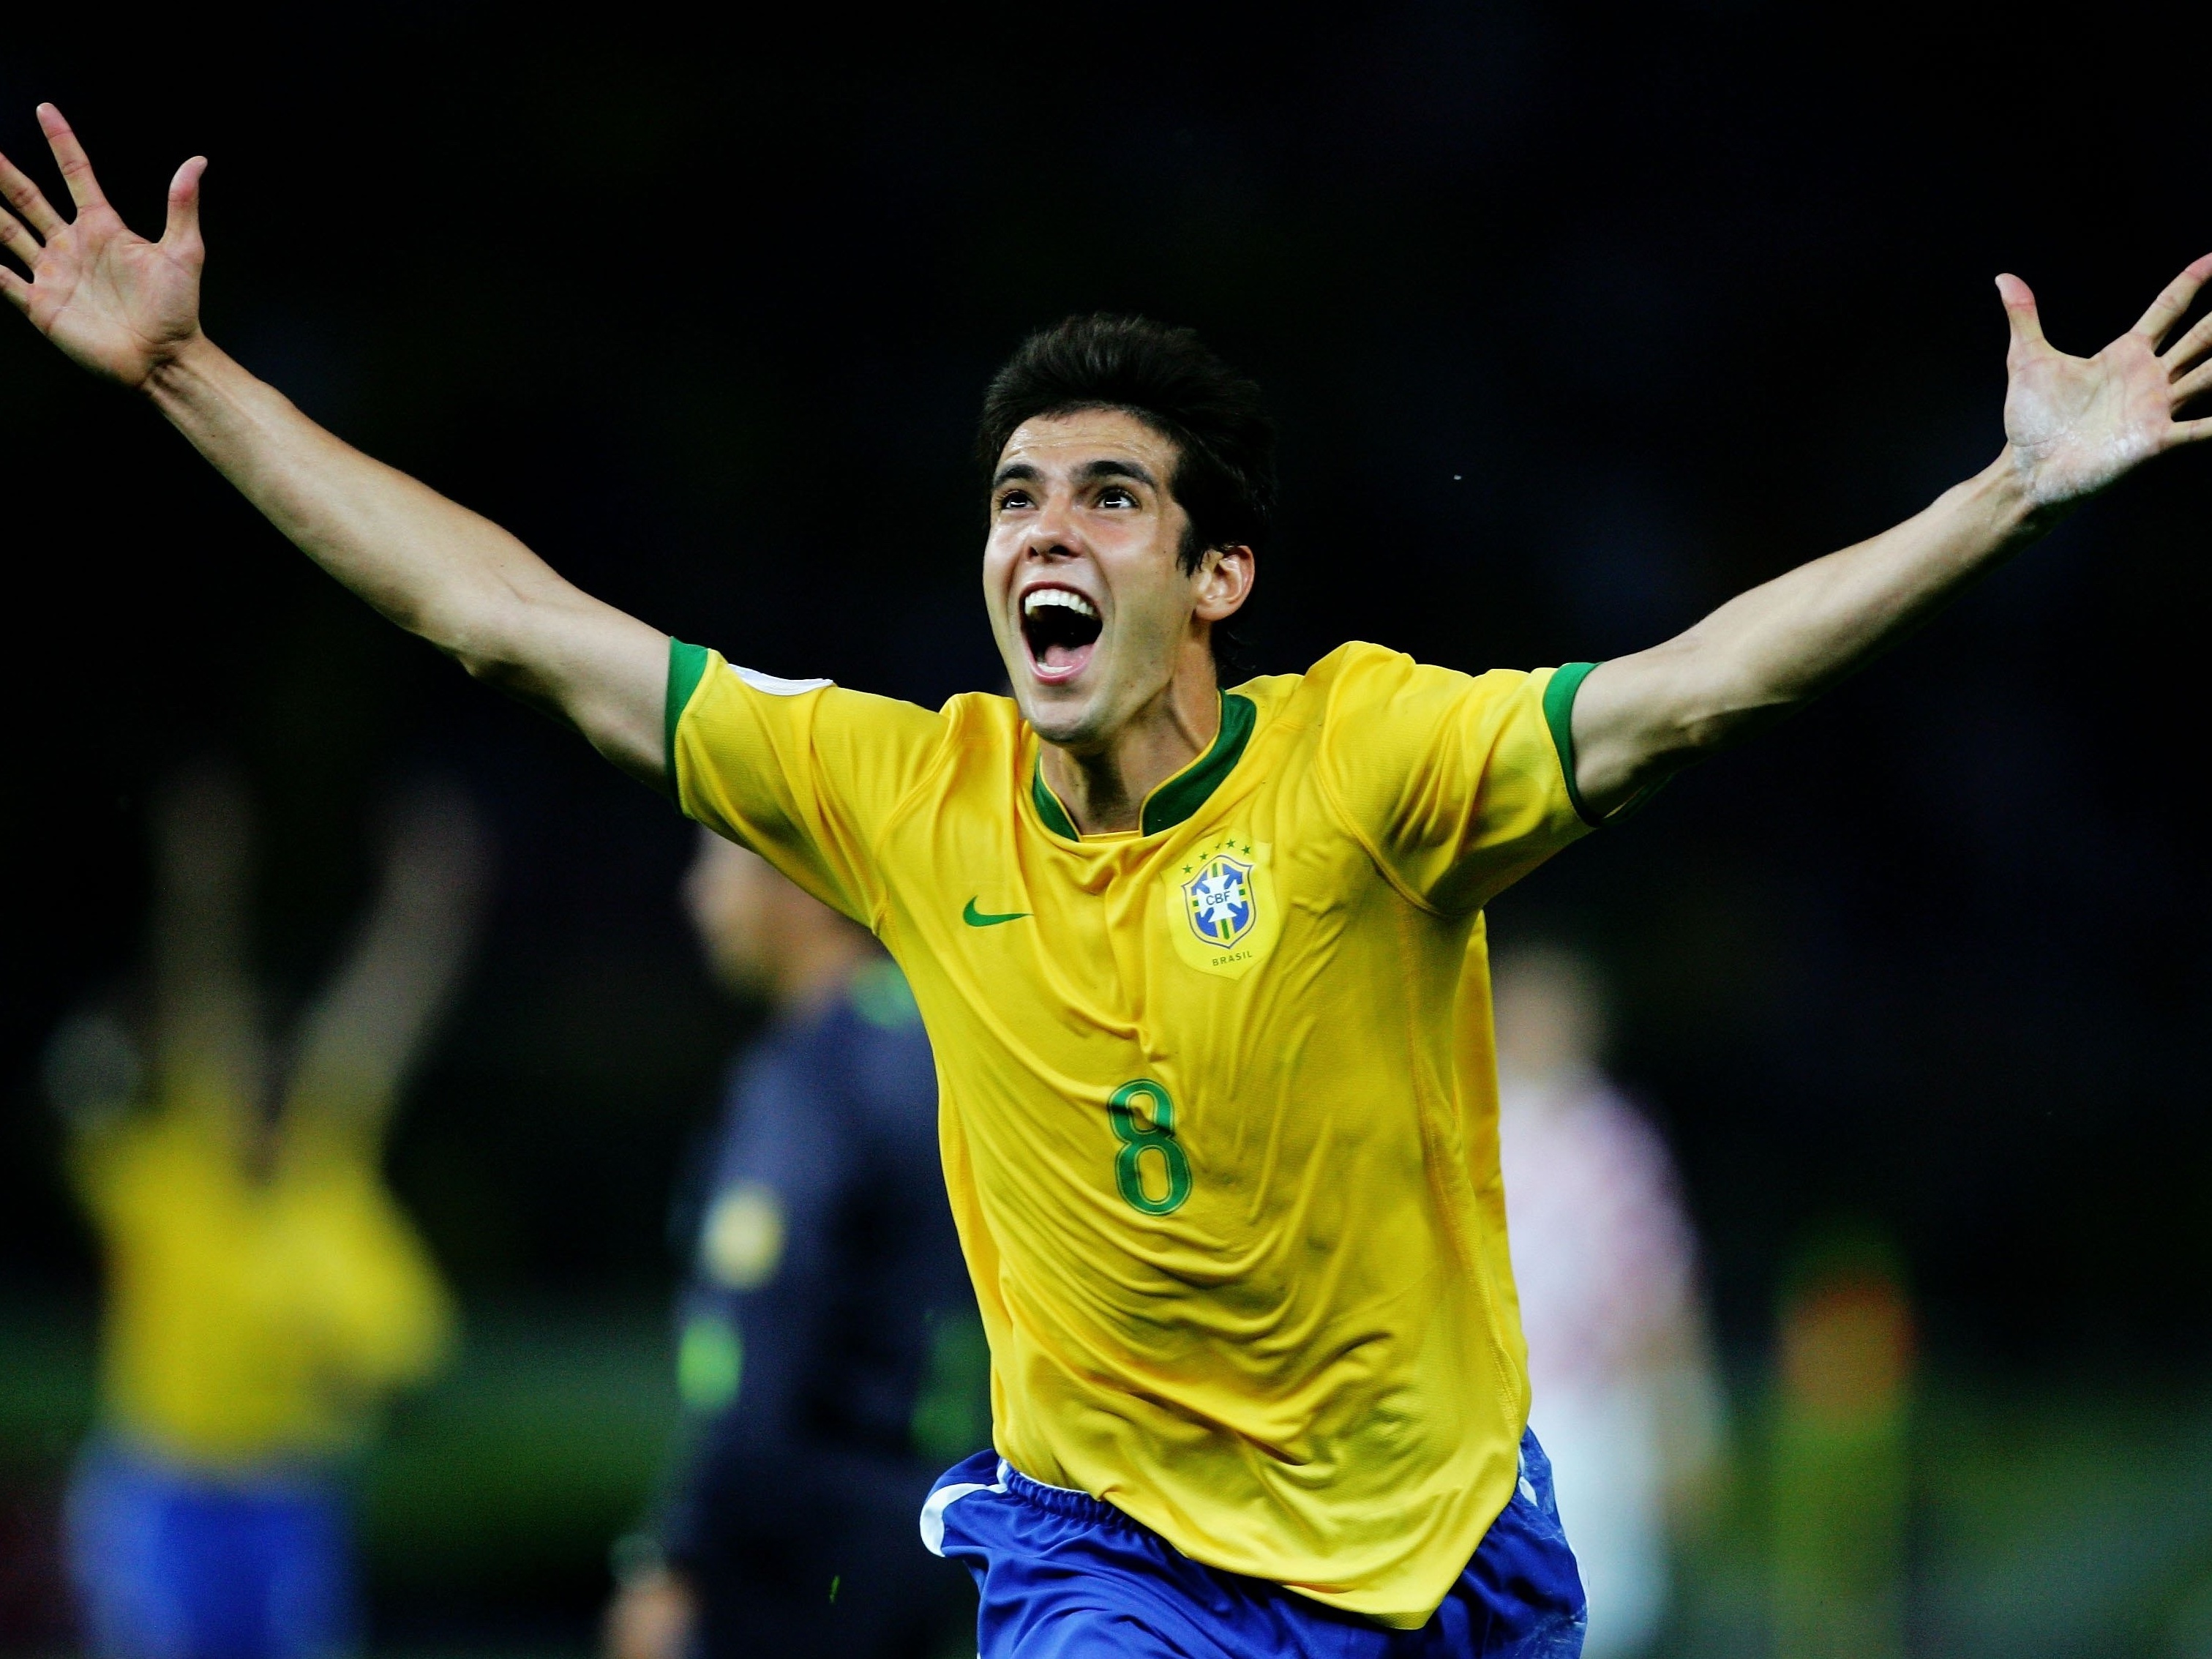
1138,1136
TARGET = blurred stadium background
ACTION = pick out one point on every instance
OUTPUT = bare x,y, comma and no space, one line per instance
1577,320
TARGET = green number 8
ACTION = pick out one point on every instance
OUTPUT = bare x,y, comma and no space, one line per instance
1138,1137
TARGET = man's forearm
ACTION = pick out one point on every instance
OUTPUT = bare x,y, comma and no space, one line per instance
426,562
1788,640
1768,652
430,564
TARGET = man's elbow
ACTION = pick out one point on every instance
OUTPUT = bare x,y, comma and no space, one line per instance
1727,712
502,673
474,637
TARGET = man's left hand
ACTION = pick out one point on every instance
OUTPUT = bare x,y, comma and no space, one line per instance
2073,425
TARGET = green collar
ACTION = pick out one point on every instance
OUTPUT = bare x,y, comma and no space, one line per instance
1182,794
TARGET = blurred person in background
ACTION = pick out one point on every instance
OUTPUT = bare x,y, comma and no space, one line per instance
830,1354
1622,1389
1839,1474
264,1289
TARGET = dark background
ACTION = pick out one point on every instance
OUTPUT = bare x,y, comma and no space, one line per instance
1576,319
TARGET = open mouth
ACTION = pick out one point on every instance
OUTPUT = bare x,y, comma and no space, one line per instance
1060,627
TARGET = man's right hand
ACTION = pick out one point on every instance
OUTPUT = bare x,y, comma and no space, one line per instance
112,300
129,309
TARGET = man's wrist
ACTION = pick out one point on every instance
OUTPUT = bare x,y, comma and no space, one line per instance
2003,496
191,365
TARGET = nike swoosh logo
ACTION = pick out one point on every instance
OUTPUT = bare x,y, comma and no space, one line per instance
976,918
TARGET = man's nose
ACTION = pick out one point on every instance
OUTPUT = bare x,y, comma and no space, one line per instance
1052,535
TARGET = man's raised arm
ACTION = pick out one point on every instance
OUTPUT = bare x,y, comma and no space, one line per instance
128,310
2073,426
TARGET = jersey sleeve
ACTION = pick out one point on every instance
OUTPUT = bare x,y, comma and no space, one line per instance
801,771
1459,784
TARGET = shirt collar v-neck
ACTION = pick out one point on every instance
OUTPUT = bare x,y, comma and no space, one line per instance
1180,795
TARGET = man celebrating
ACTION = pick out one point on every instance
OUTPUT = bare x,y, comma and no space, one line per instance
1202,969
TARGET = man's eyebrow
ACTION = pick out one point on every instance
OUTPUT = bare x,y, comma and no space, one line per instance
1097,469
1013,470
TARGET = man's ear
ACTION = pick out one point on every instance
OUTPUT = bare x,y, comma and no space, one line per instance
1224,581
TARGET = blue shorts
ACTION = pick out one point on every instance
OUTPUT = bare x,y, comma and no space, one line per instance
1063,1575
173,1564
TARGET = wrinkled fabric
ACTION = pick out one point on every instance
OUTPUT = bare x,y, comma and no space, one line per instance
1063,1575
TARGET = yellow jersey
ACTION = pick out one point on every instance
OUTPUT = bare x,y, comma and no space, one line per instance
1219,1102
252,1318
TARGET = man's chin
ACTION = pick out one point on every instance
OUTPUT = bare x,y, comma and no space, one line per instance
1063,718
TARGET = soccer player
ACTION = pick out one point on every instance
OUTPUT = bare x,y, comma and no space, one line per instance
830,1357
264,1292
1202,967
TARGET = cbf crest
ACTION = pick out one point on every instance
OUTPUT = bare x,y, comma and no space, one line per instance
1221,909
1219,899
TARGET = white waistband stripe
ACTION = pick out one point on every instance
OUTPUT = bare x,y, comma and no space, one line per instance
932,1512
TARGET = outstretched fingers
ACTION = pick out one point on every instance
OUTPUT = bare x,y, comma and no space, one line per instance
183,226
2166,310
2019,313
27,199
2189,347
2196,382
75,166
16,240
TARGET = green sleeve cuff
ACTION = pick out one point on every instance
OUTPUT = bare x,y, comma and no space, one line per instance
1559,714
687,666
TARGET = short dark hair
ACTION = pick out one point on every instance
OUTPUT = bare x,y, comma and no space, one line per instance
1167,378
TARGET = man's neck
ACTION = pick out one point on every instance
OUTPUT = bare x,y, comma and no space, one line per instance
1104,789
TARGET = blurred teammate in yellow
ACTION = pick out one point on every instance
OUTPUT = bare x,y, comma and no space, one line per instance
264,1289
